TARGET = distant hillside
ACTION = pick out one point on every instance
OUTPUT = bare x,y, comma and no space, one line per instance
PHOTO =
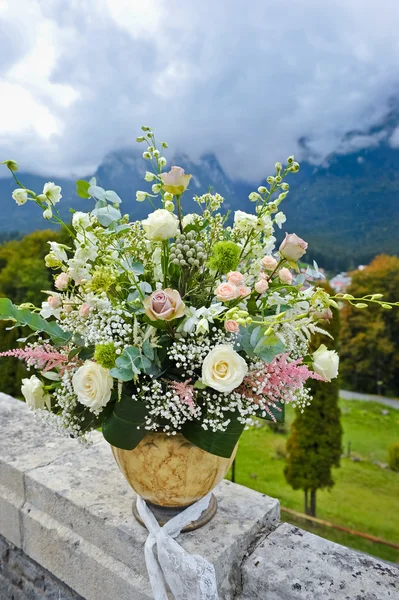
348,211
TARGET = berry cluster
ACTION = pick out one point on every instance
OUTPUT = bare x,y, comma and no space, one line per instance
186,250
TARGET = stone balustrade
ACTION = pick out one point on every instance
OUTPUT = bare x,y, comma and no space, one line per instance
67,532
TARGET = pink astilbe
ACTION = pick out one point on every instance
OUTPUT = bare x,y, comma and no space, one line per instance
185,391
43,357
276,382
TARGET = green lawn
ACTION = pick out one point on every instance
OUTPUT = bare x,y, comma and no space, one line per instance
365,497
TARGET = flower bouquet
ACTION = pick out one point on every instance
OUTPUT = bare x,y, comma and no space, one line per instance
175,332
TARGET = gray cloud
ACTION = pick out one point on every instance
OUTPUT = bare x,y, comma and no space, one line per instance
246,80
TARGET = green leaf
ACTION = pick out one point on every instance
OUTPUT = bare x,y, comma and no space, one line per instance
23,316
219,443
124,427
131,362
82,188
267,353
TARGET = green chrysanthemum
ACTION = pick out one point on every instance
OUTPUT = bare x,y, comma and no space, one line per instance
105,355
225,257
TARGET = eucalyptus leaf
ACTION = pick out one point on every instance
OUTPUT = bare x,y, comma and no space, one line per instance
112,197
106,215
97,192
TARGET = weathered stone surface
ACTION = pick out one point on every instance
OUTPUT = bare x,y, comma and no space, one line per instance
292,564
70,510
23,579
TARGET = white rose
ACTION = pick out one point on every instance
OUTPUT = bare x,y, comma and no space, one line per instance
160,225
244,221
223,369
52,192
20,196
189,219
326,362
81,220
92,384
33,391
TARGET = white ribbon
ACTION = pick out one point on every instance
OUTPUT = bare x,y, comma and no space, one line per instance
188,576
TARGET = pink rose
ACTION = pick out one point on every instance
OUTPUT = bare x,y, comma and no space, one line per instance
54,301
269,262
61,282
176,181
293,247
226,292
243,290
84,310
164,305
261,286
285,275
235,277
231,326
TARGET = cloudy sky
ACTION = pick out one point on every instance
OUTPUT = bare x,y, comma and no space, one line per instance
246,79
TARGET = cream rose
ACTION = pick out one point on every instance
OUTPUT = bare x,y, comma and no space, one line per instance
285,275
164,305
293,247
160,225
226,291
326,362
92,384
34,393
269,262
176,181
223,369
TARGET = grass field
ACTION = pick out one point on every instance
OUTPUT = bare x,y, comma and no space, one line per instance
365,496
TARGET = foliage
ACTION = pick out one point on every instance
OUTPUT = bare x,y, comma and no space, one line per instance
370,340
22,277
314,445
393,457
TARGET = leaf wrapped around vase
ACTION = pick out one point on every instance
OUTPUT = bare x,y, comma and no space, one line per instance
173,333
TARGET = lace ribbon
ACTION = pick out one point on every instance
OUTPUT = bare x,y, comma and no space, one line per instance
188,576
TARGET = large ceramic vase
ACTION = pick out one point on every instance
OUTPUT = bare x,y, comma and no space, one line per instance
170,473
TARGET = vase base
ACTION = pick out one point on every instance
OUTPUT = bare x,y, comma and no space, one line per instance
163,514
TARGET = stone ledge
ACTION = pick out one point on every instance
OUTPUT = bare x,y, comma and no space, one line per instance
292,564
70,510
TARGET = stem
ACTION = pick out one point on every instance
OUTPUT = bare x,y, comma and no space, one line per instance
179,213
276,269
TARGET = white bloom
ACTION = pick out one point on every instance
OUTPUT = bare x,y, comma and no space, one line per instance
326,362
196,315
280,218
92,384
202,327
189,219
141,196
20,196
59,251
48,311
223,369
48,213
149,176
52,192
34,393
81,220
156,259
160,225
244,221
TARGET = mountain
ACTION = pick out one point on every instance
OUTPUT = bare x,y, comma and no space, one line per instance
348,209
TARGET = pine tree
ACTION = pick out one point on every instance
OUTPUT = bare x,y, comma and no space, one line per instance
314,444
